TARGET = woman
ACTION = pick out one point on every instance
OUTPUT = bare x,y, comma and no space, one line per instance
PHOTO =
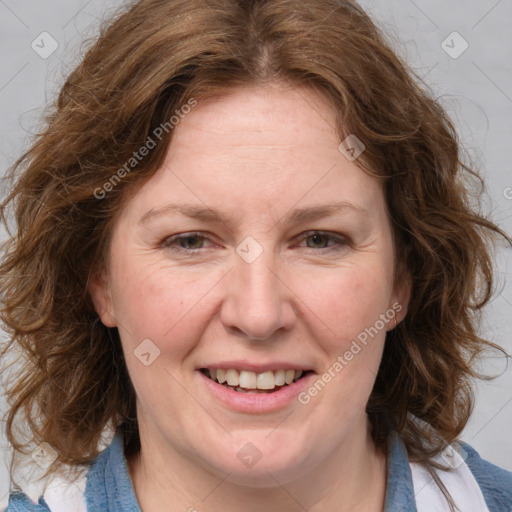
166,286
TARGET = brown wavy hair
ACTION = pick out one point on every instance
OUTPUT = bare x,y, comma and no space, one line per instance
151,59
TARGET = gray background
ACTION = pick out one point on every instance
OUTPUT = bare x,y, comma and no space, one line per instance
475,87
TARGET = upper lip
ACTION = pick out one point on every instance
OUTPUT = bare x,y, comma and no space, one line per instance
257,367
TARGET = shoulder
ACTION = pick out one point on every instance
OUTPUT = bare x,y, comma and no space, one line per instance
20,502
61,495
473,483
495,482
105,481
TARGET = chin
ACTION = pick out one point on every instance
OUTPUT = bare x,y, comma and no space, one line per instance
252,467
261,474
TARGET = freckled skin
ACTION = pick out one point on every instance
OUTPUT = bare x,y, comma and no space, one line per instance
257,153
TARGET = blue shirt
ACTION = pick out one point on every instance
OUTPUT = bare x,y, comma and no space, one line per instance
109,487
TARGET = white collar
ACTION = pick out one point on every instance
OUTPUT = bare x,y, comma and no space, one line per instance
459,482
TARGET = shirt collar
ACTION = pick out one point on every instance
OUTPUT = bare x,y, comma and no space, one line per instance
109,487
399,487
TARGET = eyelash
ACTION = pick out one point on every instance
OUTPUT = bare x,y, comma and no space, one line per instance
168,243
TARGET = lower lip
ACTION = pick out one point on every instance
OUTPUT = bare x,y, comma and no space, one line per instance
256,402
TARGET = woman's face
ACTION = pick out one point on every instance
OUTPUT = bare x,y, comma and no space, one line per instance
249,287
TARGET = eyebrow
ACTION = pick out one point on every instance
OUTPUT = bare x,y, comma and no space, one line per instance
207,214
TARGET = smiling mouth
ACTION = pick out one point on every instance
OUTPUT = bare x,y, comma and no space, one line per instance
251,382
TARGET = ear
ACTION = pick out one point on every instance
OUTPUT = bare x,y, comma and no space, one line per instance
100,293
400,298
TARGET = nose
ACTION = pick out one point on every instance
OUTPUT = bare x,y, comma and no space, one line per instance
258,301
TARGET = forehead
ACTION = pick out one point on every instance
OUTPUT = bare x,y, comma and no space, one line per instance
258,149
254,115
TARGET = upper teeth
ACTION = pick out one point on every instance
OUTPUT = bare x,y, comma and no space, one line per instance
252,380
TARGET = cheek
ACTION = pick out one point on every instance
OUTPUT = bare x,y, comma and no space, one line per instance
351,333
346,303
161,303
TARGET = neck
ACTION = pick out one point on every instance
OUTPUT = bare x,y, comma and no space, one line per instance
352,478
